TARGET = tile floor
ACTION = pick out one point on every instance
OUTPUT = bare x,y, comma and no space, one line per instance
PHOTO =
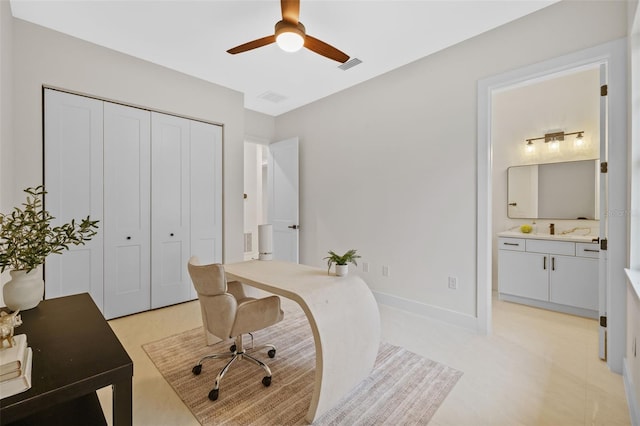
537,368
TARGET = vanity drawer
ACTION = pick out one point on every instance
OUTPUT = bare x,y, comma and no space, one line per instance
587,250
514,244
566,248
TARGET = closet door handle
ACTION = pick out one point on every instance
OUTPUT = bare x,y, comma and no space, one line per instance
544,263
553,263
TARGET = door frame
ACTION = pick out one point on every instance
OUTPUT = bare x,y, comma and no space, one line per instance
613,54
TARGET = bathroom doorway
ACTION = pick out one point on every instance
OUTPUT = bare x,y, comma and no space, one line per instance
492,181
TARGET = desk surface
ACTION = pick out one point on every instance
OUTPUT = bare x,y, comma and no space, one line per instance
343,316
75,352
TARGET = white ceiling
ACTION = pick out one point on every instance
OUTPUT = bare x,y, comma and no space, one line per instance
192,37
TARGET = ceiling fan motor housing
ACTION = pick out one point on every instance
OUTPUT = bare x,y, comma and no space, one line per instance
290,27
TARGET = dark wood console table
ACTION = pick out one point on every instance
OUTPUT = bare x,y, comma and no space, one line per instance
75,353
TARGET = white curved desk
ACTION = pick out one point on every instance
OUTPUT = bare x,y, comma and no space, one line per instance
343,315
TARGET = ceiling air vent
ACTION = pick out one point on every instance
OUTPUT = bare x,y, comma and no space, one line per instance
350,64
272,97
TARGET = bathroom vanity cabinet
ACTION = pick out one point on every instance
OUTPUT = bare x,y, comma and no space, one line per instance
551,274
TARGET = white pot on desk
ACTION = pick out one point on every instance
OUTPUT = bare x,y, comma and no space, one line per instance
342,270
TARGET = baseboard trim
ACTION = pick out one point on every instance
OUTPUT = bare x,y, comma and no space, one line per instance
630,392
581,312
445,315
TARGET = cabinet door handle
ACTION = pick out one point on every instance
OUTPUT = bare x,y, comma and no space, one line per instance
592,250
511,244
544,263
553,263
128,238
171,234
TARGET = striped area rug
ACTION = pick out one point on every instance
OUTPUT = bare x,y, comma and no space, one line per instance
404,388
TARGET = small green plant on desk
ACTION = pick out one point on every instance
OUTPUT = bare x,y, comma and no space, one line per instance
341,261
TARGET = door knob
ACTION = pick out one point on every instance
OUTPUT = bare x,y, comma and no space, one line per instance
293,227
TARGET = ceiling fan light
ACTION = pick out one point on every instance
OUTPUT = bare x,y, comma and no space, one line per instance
290,41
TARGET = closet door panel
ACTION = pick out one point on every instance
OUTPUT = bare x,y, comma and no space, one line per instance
170,195
127,164
73,174
206,193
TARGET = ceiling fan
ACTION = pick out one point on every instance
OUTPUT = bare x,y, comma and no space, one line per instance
290,35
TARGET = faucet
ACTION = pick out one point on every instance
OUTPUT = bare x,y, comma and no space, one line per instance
552,229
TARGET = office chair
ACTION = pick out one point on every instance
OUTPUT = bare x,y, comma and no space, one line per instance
228,313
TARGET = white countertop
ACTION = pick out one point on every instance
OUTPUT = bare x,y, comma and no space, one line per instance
634,280
576,238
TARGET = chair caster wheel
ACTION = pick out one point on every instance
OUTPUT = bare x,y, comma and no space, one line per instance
266,380
271,353
233,348
197,369
213,395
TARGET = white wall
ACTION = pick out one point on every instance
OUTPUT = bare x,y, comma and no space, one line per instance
6,121
389,166
634,157
6,116
567,102
45,57
259,127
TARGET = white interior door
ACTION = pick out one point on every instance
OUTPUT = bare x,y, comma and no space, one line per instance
283,198
206,193
170,199
73,171
127,133
604,220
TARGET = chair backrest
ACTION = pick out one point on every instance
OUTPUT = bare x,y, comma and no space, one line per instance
208,280
217,305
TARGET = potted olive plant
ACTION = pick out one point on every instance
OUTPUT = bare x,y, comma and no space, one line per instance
342,262
26,239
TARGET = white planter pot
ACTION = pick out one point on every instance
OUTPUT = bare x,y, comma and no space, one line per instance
342,270
24,290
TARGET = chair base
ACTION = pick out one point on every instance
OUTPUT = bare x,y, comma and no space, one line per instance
237,351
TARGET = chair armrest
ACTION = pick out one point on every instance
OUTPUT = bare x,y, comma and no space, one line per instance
218,314
256,314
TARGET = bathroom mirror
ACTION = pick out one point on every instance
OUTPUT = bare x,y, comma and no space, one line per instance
568,190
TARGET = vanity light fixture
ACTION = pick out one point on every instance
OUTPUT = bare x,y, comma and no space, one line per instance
579,142
554,139
530,146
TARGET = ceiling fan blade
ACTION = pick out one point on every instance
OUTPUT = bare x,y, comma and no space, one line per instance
324,49
290,10
253,44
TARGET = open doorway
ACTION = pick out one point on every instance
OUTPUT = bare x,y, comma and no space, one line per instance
568,102
271,197
612,56
255,194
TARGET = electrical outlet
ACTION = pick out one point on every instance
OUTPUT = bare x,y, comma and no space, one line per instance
365,266
453,283
385,271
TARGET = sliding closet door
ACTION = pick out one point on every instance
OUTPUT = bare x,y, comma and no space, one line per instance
127,163
206,193
170,249
73,179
